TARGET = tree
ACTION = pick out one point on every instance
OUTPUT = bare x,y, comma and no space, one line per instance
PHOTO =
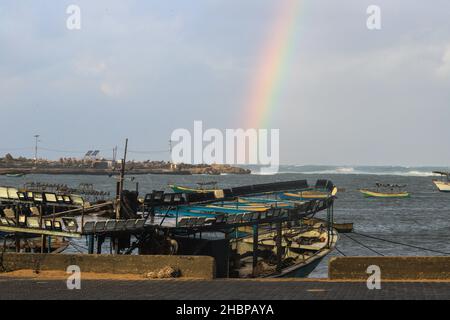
9,157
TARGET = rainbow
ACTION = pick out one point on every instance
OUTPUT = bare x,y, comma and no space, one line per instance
273,65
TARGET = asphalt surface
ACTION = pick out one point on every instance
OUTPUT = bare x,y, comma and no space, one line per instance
39,289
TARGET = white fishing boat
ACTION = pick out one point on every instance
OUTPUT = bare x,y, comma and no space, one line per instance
442,184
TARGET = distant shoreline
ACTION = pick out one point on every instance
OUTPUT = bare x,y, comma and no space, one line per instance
99,172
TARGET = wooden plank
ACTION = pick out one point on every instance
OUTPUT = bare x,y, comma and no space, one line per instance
40,232
79,210
279,246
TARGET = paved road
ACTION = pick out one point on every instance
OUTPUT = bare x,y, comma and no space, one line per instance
217,289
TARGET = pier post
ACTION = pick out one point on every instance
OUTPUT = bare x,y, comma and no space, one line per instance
100,240
279,246
91,244
43,243
16,216
43,237
332,221
255,247
17,243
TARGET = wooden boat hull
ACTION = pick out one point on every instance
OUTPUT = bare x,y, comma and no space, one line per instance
339,227
303,267
443,186
305,195
15,175
181,189
34,245
301,271
318,194
375,194
343,227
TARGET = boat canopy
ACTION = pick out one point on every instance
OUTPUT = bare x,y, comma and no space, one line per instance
442,173
388,185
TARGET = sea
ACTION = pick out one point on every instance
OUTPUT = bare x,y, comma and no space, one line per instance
402,227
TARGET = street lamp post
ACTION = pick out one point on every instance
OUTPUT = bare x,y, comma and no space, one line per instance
36,137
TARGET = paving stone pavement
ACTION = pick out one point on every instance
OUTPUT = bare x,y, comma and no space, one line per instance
219,290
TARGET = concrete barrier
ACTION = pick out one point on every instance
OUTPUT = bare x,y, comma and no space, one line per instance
392,268
190,266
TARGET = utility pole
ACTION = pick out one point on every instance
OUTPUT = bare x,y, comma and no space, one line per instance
121,181
36,137
170,152
114,155
119,196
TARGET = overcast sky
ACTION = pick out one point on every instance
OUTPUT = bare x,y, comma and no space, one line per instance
140,69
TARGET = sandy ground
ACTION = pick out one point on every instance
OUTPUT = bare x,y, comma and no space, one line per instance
61,275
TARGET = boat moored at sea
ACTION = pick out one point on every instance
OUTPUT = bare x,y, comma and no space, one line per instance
443,184
15,175
202,187
322,190
386,191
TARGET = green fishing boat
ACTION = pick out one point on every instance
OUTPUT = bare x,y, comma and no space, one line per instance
203,187
15,175
386,191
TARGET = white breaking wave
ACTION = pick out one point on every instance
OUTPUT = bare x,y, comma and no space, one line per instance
345,170
420,173
351,170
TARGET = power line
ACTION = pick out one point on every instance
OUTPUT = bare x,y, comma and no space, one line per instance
148,152
12,149
402,244
62,151
72,151
362,244
84,151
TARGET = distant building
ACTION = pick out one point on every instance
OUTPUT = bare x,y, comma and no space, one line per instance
103,164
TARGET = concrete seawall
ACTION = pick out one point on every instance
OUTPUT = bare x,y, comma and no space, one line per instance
392,268
202,267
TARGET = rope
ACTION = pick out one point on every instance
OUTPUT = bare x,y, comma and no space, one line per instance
362,244
402,244
337,249
77,247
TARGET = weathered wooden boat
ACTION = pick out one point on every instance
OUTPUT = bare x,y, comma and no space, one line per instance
241,205
321,191
443,184
303,249
307,195
200,224
14,175
339,227
343,227
56,245
233,218
386,191
377,194
203,187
